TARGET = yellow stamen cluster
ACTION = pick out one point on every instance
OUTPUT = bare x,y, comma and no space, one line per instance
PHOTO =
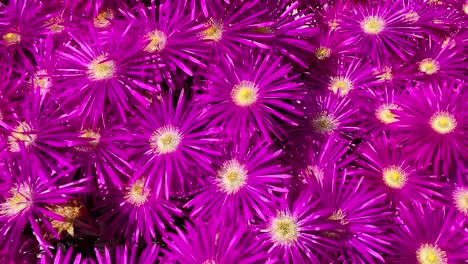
465,8
394,177
19,201
232,177
322,53
339,215
460,197
42,81
429,66
23,133
373,25
324,123
412,17
341,84
443,122
55,25
284,230
94,140
11,38
384,74
316,171
157,40
70,212
385,115
104,18
431,254
135,194
165,139
214,31
245,93
101,68
333,24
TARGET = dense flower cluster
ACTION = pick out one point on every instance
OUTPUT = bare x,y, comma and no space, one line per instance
234,131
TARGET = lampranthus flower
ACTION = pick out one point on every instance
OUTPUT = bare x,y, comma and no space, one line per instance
208,243
385,166
380,30
242,183
135,212
427,236
295,233
249,96
172,144
27,199
433,122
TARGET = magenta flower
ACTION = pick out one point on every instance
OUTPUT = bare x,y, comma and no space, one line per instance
249,96
242,184
172,144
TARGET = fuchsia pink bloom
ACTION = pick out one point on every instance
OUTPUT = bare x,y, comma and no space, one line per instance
233,131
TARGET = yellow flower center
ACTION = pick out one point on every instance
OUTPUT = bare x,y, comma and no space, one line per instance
22,132
461,200
104,18
245,93
101,69
465,8
214,31
324,123
54,24
232,177
412,17
443,122
428,66
19,201
69,211
394,177
157,41
43,81
341,84
322,53
90,145
384,74
333,24
284,230
385,115
339,215
135,194
11,38
431,254
165,139
373,25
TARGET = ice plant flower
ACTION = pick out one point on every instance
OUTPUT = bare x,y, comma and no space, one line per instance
242,184
26,199
433,122
210,243
250,96
170,144
135,212
384,165
427,236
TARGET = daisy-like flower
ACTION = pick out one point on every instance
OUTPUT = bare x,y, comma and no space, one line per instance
168,36
429,236
241,184
99,69
326,116
362,213
27,199
21,24
101,152
173,142
230,27
135,212
433,124
386,167
438,61
206,243
330,47
295,234
250,95
380,30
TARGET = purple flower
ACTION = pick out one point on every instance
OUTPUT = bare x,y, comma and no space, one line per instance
242,184
249,96
208,244
429,235
433,124
172,143
135,212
